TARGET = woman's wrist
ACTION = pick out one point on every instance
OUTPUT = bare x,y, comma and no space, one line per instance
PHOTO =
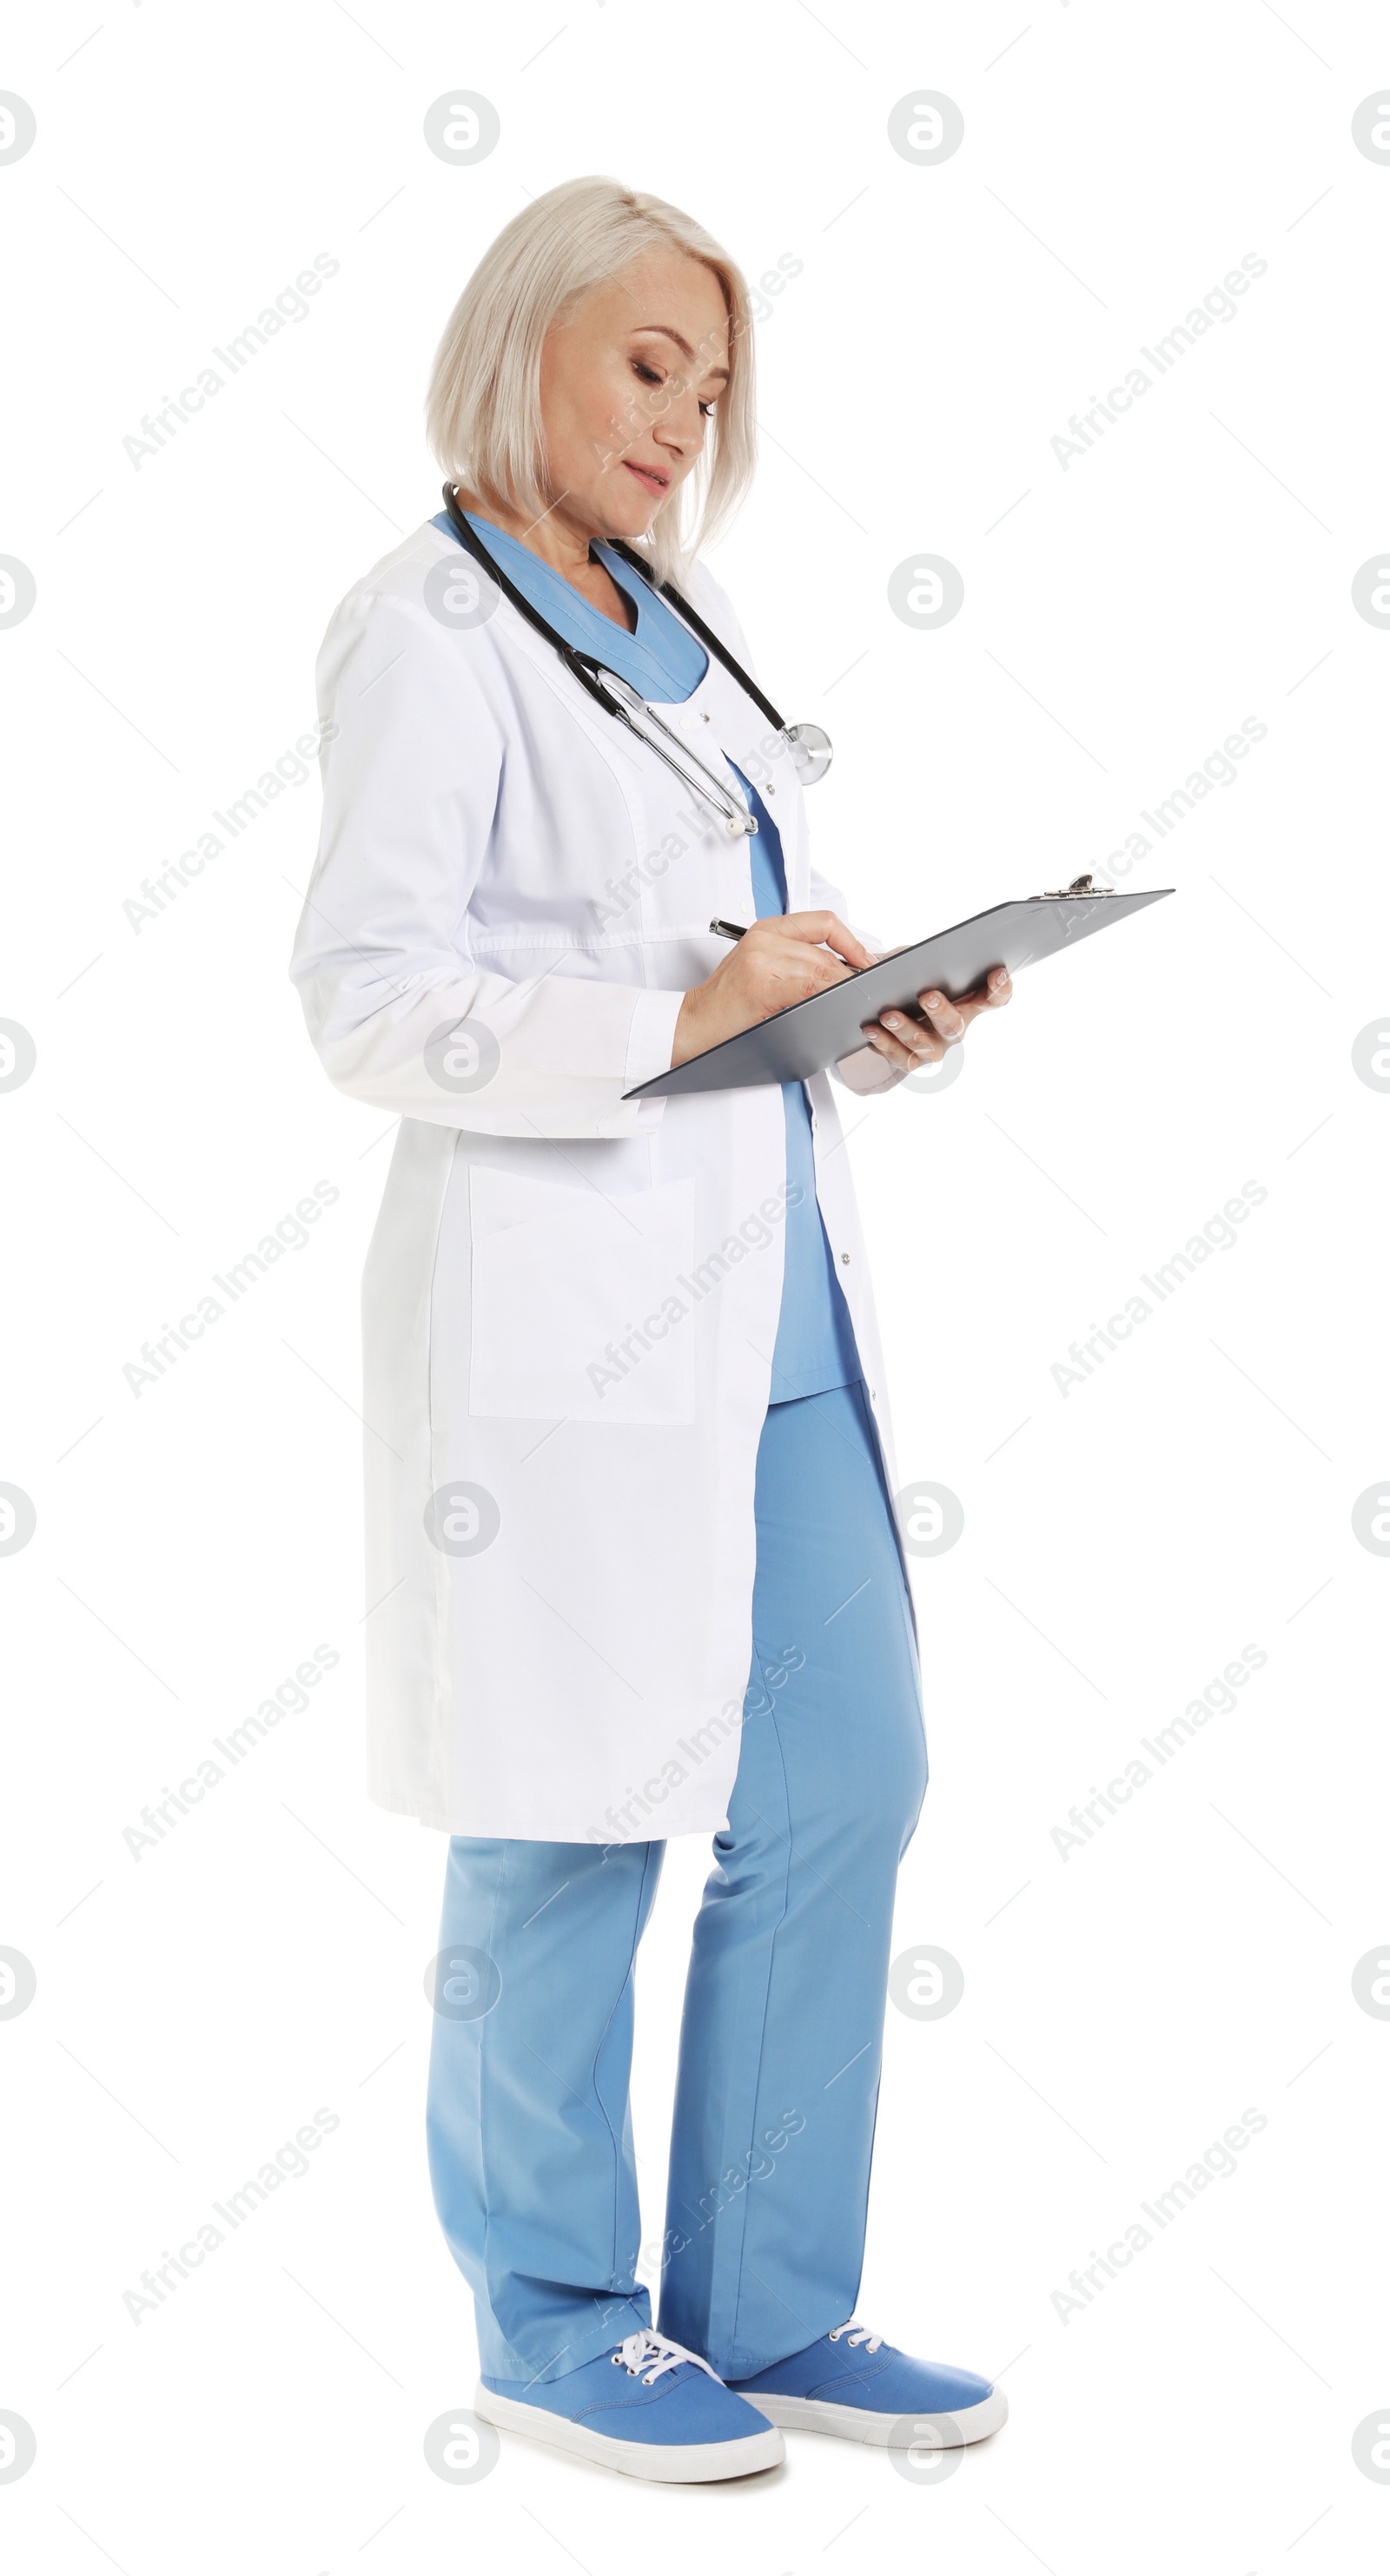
684,1041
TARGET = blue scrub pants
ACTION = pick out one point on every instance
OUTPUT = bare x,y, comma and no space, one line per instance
529,2129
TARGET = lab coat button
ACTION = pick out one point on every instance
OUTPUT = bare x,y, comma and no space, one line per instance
845,1258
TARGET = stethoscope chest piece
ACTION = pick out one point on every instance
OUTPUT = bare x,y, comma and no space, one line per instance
811,751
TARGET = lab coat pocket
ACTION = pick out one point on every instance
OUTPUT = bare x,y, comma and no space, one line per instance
578,1306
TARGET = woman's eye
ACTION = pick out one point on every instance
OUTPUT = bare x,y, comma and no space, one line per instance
653,376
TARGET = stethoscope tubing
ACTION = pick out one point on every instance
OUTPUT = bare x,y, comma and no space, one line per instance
591,673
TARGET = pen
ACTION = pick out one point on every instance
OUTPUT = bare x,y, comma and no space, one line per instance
727,929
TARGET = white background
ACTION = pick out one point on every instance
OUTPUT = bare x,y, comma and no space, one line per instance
1123,1540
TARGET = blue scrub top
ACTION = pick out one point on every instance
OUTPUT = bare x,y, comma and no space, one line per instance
815,1347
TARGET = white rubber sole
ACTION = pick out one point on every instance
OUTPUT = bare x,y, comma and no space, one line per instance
856,2424
673,2464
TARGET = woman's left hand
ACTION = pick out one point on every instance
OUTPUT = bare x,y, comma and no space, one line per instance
906,1042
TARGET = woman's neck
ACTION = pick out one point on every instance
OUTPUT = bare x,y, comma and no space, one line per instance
564,547
557,540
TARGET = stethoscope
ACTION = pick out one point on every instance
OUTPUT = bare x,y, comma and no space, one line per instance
808,744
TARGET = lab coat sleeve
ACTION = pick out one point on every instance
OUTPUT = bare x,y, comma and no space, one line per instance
381,957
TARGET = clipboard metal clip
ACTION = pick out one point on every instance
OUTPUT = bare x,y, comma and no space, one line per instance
1079,885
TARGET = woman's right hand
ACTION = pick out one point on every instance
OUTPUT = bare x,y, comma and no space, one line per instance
779,960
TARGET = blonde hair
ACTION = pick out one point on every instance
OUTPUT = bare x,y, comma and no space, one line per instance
483,410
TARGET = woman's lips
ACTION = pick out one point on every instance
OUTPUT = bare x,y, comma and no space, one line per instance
645,475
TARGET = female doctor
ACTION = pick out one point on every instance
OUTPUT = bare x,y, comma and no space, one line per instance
633,1565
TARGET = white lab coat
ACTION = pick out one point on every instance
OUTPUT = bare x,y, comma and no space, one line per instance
570,1300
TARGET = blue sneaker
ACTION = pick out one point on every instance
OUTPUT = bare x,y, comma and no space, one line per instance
665,2416
854,2384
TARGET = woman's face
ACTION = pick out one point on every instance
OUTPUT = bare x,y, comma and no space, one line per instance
629,380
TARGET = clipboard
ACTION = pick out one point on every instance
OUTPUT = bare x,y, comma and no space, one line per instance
809,1035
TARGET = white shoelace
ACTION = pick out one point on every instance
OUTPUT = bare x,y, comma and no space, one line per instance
650,2354
856,2333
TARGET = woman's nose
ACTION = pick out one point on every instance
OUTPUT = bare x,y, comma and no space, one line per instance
676,430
